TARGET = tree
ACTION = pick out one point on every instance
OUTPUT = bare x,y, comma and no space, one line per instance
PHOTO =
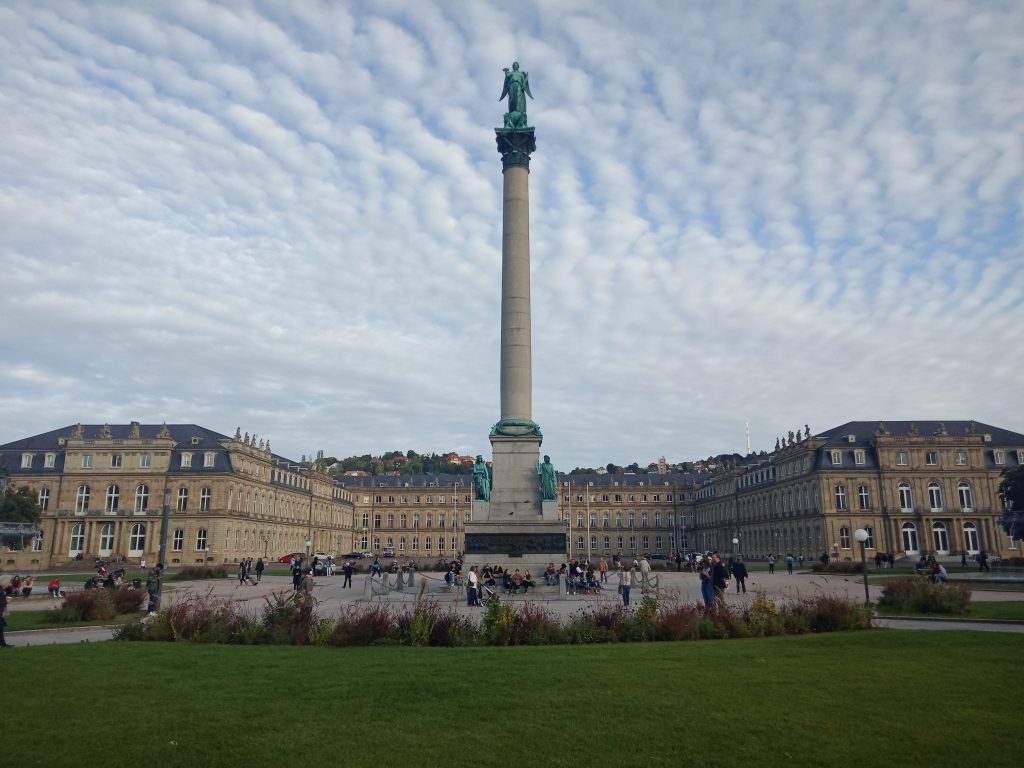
20,506
1011,489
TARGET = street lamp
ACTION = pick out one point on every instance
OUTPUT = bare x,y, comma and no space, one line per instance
862,536
735,545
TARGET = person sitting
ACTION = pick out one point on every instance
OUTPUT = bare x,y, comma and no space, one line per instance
551,575
517,581
26,587
940,574
488,576
506,582
527,582
54,587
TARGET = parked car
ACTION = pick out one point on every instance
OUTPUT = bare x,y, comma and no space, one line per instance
288,558
352,556
657,556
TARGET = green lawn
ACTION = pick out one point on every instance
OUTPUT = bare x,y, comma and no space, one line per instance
23,620
1011,609
838,699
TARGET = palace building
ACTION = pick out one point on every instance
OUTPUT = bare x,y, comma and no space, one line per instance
102,490
916,488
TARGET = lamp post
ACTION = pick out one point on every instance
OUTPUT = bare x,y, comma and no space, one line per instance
735,545
164,524
862,536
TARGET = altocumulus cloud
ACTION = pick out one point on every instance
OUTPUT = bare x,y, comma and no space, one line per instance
287,217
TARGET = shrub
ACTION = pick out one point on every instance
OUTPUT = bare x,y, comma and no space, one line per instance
679,622
841,566
364,625
197,572
89,605
833,614
127,600
763,617
922,596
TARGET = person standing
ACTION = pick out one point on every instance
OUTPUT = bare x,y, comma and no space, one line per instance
306,588
602,567
296,576
260,565
3,621
474,583
707,590
789,563
739,572
719,580
983,562
802,559
348,570
625,582
154,586
771,563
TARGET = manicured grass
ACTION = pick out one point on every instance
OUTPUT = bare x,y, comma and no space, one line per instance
1013,609
18,621
836,699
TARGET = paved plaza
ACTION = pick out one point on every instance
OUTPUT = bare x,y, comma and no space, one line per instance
685,587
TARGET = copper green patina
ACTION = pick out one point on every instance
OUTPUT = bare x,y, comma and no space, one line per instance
515,139
515,428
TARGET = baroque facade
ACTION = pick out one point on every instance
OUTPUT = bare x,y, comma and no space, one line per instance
102,490
916,488
928,487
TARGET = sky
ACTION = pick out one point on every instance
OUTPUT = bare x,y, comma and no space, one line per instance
286,217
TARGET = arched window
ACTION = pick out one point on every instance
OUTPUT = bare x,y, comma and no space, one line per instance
580,545
142,498
971,538
113,498
201,540
77,538
910,545
137,542
401,543
966,497
607,543
844,537
935,496
906,497
106,539
593,543
940,537
82,500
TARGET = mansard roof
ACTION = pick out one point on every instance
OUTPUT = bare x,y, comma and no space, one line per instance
866,431
181,434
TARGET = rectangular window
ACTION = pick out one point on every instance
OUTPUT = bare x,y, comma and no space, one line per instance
37,544
440,499
1020,458
901,458
837,457
86,461
864,495
869,543
179,539
116,460
840,497
844,538
51,461
999,457
26,461
186,459
201,540
931,458
146,460
858,456
204,500
44,499
961,458
208,459
618,497
183,499
378,499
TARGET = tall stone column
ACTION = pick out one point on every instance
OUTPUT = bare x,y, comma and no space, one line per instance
516,365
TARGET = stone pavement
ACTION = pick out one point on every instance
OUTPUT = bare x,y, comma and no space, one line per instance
331,597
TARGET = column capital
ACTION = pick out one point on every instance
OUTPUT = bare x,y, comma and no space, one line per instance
515,146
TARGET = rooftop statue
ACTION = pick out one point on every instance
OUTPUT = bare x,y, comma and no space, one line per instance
517,88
